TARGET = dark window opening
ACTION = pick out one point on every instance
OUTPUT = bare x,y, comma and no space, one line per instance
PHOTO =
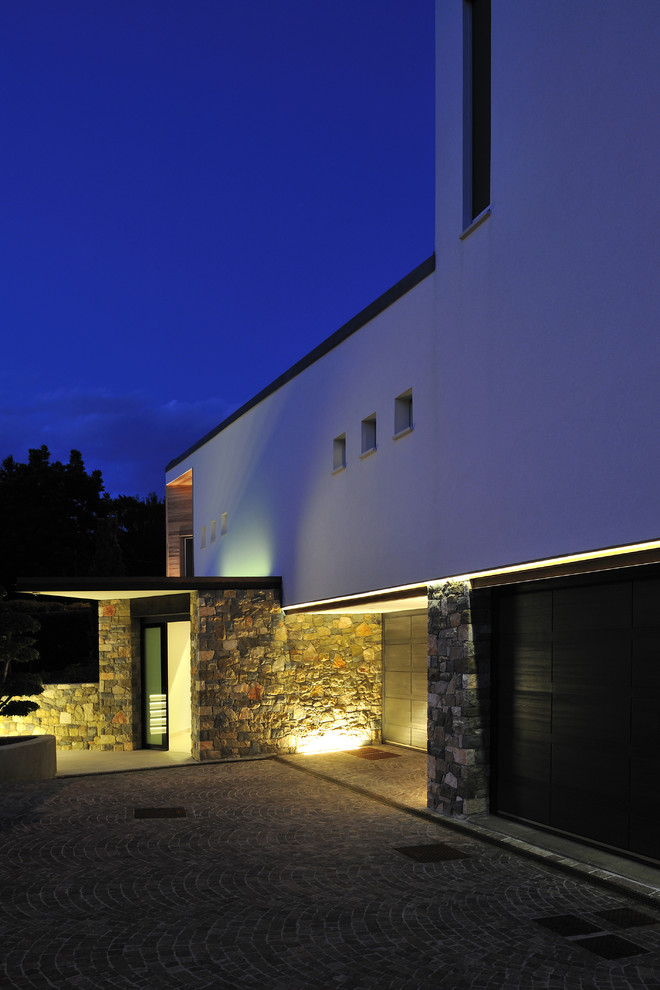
187,552
476,83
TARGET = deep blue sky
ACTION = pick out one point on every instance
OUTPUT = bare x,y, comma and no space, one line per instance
195,194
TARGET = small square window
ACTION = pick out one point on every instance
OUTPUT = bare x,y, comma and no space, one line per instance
369,434
339,452
403,413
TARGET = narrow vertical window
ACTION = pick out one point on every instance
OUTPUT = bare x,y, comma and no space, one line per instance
476,108
369,434
202,537
403,413
187,568
339,452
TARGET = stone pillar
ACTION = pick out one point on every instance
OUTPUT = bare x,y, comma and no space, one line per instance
119,677
459,699
237,647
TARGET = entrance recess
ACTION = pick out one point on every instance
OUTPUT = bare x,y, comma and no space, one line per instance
154,686
405,688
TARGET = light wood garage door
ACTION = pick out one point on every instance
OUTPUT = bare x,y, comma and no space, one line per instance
404,678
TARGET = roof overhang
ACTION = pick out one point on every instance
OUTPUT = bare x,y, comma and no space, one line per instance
110,588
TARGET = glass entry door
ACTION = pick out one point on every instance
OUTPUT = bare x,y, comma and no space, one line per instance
154,686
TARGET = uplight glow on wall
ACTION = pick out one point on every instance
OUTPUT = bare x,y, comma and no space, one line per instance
330,742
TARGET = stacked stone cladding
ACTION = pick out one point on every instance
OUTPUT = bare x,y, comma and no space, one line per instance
459,699
67,711
103,716
119,726
263,683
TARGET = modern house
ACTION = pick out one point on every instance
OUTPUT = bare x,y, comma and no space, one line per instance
441,528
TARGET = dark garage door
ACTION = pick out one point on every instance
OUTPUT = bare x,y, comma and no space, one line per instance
578,708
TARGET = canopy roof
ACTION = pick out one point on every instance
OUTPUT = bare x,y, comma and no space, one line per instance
106,588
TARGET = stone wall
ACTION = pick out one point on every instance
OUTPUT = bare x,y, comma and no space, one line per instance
459,699
263,683
333,672
67,711
103,716
119,678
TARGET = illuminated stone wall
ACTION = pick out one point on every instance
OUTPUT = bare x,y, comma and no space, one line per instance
459,699
263,683
67,711
103,716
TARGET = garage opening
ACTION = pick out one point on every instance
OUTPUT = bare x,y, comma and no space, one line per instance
578,707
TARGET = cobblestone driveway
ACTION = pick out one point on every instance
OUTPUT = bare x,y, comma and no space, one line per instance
278,879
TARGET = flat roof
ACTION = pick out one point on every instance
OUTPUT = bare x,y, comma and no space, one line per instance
384,301
106,588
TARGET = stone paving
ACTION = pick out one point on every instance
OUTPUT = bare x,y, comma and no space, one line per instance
277,878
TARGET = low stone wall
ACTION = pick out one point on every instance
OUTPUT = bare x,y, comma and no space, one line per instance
67,711
263,683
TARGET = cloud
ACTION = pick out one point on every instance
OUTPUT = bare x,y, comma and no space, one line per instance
129,438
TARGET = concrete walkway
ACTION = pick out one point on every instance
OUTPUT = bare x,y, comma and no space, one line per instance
292,874
84,761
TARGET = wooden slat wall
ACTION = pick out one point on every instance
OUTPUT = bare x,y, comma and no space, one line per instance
179,515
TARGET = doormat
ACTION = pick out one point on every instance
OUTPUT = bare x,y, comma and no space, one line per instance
367,753
160,813
435,853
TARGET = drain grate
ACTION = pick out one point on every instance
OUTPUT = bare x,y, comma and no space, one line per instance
568,924
626,917
610,946
160,812
436,853
366,753
605,944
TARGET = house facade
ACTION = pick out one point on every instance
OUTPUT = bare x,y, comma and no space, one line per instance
440,529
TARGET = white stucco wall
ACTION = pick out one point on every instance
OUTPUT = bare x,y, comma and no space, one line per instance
532,351
271,470
550,309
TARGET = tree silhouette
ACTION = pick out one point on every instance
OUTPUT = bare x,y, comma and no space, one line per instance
17,637
56,520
